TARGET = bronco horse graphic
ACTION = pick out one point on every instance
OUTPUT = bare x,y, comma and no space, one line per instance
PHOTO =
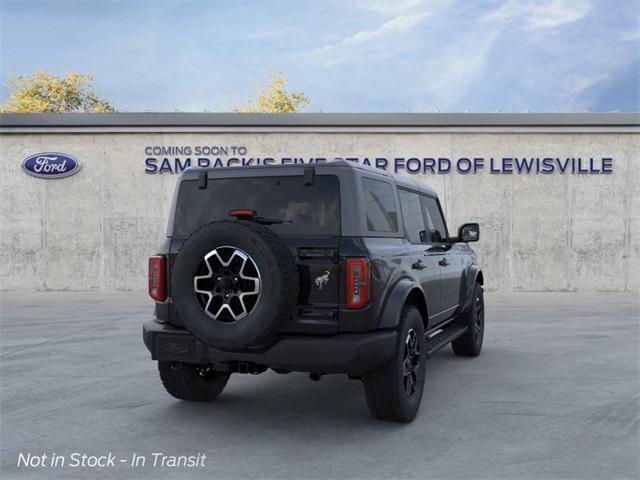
322,280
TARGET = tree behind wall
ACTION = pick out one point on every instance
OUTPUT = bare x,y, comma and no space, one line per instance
42,92
275,99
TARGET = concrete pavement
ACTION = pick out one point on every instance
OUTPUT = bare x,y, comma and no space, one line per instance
553,395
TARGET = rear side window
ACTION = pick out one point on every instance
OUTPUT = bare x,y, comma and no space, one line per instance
305,209
412,216
380,206
437,226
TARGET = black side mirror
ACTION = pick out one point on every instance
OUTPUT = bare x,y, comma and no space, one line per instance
469,232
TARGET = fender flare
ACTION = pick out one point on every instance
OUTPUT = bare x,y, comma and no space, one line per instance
473,275
396,299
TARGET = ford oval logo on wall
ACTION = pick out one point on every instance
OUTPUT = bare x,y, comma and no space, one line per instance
50,165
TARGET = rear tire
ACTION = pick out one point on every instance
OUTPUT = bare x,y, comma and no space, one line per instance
470,344
394,391
187,381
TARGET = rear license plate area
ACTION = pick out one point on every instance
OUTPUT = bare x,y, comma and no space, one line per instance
175,348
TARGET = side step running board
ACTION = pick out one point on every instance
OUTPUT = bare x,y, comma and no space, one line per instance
443,338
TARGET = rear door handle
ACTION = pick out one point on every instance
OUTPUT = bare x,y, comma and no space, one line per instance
444,262
418,265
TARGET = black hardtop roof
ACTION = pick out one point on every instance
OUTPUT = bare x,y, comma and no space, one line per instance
400,180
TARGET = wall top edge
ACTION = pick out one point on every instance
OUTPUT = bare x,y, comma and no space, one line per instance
317,120
5,131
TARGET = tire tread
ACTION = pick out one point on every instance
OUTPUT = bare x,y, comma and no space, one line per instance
183,383
381,386
464,346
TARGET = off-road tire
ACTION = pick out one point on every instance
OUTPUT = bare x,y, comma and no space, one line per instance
384,387
470,344
279,284
192,382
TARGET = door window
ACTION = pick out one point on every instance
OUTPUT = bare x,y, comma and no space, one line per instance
412,216
437,226
380,206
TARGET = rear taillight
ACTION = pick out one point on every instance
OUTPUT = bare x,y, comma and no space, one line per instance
157,278
242,213
358,277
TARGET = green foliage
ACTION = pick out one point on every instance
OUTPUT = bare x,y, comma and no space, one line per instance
42,92
275,99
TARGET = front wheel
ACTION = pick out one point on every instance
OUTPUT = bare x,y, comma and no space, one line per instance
394,391
470,344
187,381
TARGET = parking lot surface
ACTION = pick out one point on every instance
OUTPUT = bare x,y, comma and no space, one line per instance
554,394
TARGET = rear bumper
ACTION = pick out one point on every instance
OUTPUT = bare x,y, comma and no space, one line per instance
353,353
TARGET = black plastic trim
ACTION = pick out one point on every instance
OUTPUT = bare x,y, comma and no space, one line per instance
353,353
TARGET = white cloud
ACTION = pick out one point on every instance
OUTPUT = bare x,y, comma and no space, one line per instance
556,13
382,41
582,82
399,24
450,75
539,15
390,7
524,55
631,36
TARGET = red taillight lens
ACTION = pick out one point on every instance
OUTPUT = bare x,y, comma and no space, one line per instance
242,212
157,278
358,277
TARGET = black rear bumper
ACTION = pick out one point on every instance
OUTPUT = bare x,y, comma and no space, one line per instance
353,353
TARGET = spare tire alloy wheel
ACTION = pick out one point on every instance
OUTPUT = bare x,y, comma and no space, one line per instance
227,284
234,284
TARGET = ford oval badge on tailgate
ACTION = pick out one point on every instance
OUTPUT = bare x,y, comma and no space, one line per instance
50,165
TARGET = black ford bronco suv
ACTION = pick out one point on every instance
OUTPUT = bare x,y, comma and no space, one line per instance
330,268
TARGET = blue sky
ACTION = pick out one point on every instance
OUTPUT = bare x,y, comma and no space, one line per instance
347,56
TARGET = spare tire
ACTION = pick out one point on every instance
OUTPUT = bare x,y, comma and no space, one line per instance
234,284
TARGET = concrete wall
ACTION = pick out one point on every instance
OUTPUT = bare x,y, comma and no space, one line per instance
94,230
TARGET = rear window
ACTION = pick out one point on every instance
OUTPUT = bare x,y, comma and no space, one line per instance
307,209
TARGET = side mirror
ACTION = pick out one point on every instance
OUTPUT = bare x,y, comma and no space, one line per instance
469,232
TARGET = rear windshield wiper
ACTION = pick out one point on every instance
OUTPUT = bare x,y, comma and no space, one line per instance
270,221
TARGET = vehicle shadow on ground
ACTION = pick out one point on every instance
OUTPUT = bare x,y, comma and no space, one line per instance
294,403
